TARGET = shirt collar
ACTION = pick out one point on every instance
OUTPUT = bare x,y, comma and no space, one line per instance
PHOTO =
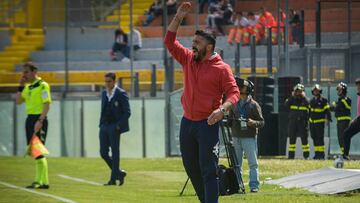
212,56
111,94
36,80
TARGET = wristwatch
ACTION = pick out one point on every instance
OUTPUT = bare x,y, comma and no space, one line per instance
223,110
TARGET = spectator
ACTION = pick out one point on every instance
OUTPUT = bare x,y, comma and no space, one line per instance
137,40
202,4
154,11
267,21
171,7
220,14
252,19
240,22
252,29
295,25
120,44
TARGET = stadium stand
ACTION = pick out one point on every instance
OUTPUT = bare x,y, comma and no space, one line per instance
89,47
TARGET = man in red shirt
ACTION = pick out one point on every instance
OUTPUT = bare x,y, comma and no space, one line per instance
206,79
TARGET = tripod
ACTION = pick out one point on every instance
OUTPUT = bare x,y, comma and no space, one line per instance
231,157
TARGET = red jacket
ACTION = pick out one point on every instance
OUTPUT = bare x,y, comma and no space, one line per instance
205,82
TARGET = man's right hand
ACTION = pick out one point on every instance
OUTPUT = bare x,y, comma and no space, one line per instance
183,10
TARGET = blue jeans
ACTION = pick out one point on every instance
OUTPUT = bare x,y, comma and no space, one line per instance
199,146
249,146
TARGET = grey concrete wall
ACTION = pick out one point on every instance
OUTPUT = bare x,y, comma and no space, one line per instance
4,39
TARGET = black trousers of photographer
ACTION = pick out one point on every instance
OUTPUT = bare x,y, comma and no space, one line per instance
199,146
352,130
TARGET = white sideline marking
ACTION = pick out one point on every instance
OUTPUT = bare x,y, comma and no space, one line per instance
38,193
79,180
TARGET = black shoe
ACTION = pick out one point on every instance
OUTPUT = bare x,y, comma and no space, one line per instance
43,186
254,190
346,157
33,185
122,177
111,182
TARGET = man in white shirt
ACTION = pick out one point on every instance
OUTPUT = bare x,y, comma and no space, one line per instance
137,40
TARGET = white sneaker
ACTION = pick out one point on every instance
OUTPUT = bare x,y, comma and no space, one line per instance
125,59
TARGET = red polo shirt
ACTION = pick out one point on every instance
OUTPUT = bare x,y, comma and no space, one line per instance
205,82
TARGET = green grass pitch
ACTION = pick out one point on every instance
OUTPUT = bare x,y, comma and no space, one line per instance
151,180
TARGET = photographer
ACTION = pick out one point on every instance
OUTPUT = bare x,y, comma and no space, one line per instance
245,118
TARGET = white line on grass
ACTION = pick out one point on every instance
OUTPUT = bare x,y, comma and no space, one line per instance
79,180
38,193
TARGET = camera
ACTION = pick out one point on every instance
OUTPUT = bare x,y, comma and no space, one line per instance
243,123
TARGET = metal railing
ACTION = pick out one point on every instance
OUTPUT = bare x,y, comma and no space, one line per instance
81,13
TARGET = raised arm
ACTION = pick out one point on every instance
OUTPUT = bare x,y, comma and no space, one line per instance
178,51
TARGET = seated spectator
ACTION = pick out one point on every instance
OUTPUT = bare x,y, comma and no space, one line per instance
240,22
267,21
154,11
120,45
252,19
171,7
282,26
137,40
220,14
253,28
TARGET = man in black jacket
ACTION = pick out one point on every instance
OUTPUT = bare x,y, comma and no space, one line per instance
115,113
298,106
245,118
319,112
342,110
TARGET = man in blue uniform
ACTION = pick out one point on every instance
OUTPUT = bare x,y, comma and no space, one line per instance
114,120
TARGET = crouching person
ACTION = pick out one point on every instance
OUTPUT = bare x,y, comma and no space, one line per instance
245,118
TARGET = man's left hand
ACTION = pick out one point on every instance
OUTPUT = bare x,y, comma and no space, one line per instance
215,117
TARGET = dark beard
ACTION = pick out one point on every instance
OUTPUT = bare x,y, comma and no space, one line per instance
201,54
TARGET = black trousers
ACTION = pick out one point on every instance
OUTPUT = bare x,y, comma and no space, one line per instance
298,127
353,128
317,134
199,146
109,137
29,127
341,126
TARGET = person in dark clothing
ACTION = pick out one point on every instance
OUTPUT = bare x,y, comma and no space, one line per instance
245,118
154,11
121,45
319,112
294,22
219,15
298,105
342,110
115,113
354,126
